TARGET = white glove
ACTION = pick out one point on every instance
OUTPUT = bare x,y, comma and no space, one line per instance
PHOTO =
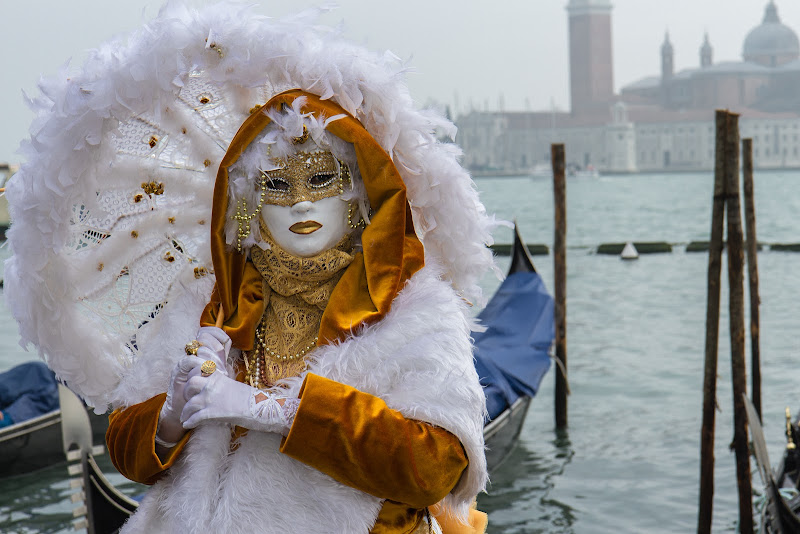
221,399
170,429
215,345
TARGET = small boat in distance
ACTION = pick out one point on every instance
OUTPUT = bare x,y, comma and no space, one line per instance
542,170
589,172
545,170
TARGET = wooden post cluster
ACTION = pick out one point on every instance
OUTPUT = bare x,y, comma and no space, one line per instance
560,276
726,202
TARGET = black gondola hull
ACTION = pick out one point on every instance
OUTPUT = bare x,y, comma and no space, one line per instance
36,443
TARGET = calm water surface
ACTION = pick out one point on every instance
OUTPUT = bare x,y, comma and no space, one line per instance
629,461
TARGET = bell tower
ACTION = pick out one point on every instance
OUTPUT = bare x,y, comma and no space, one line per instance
706,53
590,56
667,59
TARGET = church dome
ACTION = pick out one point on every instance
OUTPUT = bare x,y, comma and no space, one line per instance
771,43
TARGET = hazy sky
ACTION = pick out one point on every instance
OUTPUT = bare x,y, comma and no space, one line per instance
466,52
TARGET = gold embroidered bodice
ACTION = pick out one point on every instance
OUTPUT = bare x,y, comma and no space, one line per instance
296,291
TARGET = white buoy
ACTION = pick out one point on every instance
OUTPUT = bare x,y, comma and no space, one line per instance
629,252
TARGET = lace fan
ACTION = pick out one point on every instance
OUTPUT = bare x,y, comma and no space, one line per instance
110,233
148,223
111,265
139,238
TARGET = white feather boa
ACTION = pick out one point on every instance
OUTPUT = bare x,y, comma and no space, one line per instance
418,359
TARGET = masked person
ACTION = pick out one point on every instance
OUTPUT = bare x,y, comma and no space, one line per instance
243,236
339,394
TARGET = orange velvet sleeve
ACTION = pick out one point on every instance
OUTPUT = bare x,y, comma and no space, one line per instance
357,440
131,441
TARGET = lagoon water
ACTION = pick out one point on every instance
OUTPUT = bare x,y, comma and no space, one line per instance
629,461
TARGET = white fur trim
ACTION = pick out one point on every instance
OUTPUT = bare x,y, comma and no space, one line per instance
418,359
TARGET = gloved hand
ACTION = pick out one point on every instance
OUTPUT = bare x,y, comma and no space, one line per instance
215,345
221,399
170,429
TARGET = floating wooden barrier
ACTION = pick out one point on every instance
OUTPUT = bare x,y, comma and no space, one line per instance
698,246
649,247
702,246
504,249
785,247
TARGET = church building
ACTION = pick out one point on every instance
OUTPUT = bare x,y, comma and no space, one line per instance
663,122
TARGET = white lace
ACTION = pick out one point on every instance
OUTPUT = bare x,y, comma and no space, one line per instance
124,295
271,413
290,407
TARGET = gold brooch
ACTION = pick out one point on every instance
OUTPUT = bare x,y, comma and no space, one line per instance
192,346
208,368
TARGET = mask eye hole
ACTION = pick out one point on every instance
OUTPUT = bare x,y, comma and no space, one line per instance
321,179
276,183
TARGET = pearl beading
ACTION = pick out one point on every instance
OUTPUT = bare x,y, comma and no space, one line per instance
256,363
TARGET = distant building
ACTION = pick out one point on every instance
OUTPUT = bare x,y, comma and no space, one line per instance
590,59
659,123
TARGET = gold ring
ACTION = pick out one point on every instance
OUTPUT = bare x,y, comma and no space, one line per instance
208,368
192,346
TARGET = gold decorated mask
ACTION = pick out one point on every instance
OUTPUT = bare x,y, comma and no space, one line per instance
304,176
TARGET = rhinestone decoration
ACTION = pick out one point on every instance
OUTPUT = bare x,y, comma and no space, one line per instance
305,176
153,188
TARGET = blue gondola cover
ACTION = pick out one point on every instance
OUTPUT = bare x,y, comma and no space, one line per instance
513,354
27,391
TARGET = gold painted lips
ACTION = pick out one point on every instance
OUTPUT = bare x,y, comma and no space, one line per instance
305,227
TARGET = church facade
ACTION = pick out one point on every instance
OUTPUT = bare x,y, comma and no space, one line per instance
659,123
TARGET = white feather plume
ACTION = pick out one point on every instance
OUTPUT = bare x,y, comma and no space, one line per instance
162,107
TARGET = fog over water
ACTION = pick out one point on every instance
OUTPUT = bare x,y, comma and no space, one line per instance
466,53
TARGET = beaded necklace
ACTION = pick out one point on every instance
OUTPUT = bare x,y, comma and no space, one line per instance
256,361
296,292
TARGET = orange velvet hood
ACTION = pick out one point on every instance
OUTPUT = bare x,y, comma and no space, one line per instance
391,254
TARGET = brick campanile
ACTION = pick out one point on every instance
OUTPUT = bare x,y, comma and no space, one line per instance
590,56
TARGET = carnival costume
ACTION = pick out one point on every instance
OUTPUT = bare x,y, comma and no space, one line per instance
382,412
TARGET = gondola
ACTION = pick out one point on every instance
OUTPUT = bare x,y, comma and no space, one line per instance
513,353
33,443
781,512
512,356
102,507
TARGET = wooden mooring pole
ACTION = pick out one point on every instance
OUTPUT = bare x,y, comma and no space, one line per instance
726,206
712,332
560,276
752,272
736,309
